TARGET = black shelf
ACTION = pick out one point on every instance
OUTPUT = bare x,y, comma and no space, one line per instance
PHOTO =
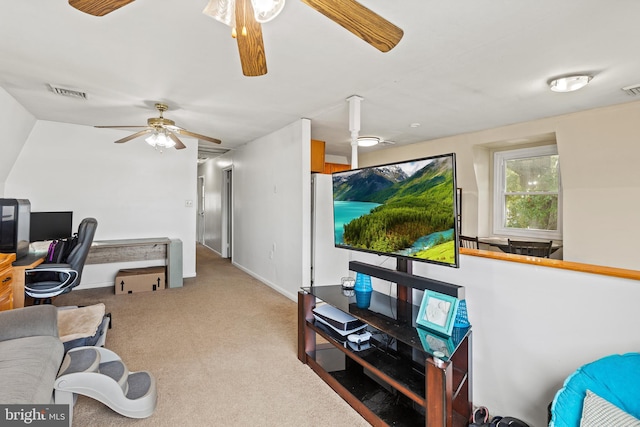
407,279
391,407
396,380
393,316
394,367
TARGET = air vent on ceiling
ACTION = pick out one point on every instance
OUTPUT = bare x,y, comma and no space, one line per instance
632,90
68,92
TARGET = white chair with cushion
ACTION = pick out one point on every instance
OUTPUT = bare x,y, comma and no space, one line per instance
601,393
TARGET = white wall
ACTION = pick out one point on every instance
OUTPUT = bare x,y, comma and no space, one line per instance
600,180
132,190
601,185
16,123
271,197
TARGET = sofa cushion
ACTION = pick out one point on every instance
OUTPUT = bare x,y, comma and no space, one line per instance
29,321
28,369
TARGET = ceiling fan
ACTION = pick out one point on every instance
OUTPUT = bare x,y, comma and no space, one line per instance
163,132
247,15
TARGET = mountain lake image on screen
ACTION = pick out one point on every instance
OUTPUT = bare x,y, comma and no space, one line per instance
404,209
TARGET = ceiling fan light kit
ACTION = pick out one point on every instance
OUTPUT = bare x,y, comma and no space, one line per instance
266,10
160,140
224,10
368,141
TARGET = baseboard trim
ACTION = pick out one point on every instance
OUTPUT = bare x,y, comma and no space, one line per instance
293,297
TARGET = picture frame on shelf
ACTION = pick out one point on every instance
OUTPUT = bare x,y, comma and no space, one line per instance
437,312
434,343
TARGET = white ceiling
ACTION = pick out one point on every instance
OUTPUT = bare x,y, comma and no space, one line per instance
463,65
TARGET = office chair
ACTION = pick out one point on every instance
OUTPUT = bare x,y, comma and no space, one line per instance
539,249
50,280
469,242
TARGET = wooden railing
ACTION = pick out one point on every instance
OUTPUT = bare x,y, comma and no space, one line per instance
555,263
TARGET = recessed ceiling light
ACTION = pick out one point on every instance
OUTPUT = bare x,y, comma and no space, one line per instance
368,141
414,125
569,83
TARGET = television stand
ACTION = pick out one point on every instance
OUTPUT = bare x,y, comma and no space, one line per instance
397,380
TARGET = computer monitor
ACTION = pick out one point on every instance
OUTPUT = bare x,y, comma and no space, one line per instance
14,226
50,226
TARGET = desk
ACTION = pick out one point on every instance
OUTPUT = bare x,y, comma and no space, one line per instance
125,250
111,251
503,242
6,281
31,260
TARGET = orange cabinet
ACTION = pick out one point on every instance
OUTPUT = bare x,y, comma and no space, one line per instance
317,156
6,281
318,163
335,167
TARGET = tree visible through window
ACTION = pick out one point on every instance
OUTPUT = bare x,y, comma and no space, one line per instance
527,192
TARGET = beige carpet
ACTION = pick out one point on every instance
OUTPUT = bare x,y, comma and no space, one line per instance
223,352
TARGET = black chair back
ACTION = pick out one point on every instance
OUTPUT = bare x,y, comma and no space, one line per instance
469,242
539,249
78,256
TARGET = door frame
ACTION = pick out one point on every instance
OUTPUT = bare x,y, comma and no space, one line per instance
226,244
201,211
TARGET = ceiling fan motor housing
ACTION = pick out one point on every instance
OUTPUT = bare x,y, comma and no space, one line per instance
160,122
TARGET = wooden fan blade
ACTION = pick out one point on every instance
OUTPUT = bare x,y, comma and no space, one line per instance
132,136
197,135
250,46
361,21
121,127
179,145
98,7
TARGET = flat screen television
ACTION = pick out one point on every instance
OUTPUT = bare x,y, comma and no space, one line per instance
51,225
14,226
405,210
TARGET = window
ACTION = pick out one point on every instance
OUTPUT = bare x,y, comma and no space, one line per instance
527,193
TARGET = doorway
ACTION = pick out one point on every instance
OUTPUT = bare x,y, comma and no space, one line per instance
227,213
201,211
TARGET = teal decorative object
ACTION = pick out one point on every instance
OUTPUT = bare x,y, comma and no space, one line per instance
462,319
363,283
363,299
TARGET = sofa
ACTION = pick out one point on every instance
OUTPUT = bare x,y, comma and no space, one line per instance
30,354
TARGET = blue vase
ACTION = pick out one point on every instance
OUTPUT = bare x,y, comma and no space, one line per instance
363,283
363,299
462,319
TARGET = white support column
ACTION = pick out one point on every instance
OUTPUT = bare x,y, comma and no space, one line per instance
354,127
